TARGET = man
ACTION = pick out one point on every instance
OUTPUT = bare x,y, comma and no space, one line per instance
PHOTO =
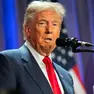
29,69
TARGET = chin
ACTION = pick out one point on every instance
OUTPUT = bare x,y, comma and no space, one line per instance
48,47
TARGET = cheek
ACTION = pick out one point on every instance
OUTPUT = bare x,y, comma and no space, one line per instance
57,31
38,37
37,32
57,34
40,31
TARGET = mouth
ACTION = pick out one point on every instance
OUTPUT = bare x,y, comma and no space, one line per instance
47,39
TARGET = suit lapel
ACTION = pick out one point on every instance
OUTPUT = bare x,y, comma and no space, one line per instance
63,79
34,70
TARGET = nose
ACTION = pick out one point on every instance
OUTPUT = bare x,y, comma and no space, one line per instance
49,29
48,32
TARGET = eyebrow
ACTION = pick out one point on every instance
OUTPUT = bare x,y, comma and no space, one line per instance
42,20
47,21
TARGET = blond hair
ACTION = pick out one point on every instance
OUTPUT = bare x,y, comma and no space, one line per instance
37,6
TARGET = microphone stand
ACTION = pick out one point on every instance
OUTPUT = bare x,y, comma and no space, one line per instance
75,45
81,50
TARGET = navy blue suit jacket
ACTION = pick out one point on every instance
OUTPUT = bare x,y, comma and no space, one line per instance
19,71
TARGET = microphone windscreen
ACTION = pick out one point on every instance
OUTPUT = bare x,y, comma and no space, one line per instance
61,42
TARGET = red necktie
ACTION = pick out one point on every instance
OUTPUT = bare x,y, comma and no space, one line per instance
51,75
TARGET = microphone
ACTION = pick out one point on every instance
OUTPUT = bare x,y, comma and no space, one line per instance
71,42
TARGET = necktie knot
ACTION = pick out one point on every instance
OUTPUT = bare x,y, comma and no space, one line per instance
46,60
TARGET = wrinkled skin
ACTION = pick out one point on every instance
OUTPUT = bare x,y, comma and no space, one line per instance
43,31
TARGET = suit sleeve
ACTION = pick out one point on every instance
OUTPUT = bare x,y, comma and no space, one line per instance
7,75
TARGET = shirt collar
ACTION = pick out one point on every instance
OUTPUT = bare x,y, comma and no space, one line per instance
36,55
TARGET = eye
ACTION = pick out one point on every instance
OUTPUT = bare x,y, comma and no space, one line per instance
55,24
42,23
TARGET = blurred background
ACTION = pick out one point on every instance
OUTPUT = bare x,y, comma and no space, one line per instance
79,22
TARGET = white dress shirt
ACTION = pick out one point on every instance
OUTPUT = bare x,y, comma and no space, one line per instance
42,66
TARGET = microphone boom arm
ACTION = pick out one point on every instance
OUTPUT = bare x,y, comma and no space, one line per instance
82,50
76,44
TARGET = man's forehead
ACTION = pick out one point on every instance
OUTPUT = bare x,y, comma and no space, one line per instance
48,12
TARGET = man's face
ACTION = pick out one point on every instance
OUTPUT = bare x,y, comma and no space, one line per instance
44,30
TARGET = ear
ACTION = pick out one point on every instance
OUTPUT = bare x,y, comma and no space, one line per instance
27,31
